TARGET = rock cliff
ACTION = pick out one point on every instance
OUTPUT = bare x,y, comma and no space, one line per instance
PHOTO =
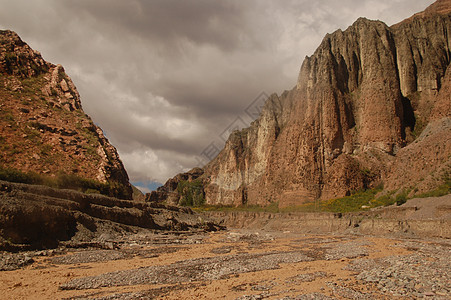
43,128
371,106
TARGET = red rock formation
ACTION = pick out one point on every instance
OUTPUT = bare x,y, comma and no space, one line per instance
43,128
353,121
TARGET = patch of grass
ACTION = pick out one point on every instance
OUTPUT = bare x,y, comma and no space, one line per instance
65,181
32,134
419,126
384,200
46,149
442,190
9,117
91,137
367,172
92,142
305,207
14,175
354,202
402,197
273,207
32,84
75,182
350,203
91,151
438,192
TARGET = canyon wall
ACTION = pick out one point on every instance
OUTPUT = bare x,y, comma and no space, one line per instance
371,106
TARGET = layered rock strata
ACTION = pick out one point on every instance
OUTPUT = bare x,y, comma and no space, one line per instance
34,217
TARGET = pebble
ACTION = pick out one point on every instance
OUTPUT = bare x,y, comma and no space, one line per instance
423,273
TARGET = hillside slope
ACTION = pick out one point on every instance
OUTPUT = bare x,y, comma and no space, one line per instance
43,128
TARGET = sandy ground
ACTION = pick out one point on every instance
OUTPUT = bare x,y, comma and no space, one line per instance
225,265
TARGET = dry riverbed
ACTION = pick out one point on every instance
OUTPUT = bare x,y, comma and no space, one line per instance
238,264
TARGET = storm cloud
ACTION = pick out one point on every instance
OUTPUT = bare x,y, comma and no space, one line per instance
164,78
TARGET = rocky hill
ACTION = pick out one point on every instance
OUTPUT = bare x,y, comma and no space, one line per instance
44,133
371,107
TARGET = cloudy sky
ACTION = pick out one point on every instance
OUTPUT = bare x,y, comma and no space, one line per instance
165,78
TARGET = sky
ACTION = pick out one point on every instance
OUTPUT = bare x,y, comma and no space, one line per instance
166,80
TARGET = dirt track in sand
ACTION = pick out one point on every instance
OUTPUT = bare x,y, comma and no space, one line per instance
239,265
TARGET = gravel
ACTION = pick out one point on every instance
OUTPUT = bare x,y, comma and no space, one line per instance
14,261
424,273
222,250
89,256
352,249
348,293
202,269
309,277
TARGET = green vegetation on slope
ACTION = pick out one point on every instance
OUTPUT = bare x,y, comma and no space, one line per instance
191,192
441,190
344,204
358,201
65,181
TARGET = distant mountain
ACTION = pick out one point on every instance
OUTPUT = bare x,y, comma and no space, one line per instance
372,107
45,137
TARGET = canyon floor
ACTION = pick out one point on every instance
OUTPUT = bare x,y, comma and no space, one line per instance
234,264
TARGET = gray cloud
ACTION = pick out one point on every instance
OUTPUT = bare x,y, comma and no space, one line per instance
214,23
164,78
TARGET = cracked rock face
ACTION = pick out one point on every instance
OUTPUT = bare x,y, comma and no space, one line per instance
43,126
371,105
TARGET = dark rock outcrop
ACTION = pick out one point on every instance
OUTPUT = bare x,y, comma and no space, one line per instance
168,192
33,217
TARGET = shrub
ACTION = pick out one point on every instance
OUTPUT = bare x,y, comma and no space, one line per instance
401,198
350,203
384,200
